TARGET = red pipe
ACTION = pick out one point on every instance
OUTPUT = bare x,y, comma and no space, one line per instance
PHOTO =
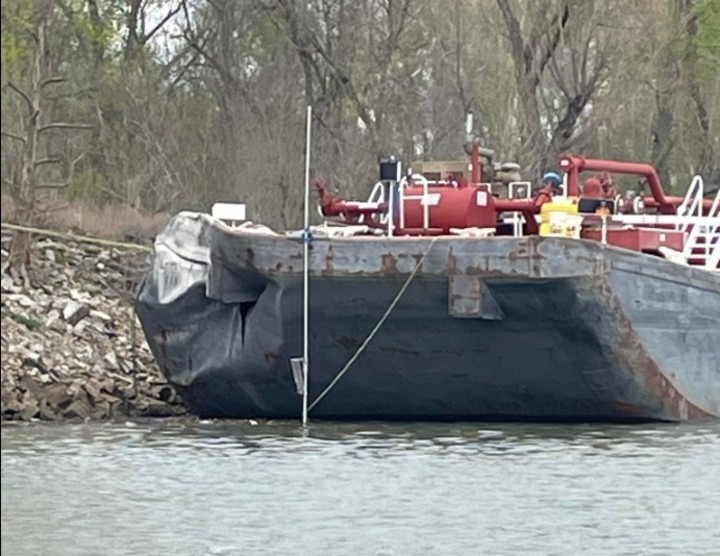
573,165
525,205
475,161
576,164
520,205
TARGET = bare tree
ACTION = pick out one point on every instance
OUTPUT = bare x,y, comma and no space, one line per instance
558,68
708,159
531,57
26,178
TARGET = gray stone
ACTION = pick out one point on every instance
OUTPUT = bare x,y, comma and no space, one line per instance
57,325
46,413
79,409
57,395
111,360
21,299
74,312
99,315
158,409
10,404
79,328
8,284
30,408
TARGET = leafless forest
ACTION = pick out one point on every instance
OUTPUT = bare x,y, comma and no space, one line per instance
165,105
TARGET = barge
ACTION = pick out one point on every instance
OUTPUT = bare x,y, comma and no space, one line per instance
451,293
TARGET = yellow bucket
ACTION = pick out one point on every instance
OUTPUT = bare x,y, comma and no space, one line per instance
561,224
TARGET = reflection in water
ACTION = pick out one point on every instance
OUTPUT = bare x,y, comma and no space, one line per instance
368,488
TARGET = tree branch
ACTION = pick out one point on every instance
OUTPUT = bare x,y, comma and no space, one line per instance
513,27
15,136
160,25
225,73
31,106
547,54
52,185
51,81
63,125
48,160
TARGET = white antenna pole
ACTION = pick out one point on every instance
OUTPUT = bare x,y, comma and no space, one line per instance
306,269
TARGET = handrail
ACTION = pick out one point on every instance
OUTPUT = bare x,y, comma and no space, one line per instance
376,196
703,242
713,261
713,237
715,208
692,201
423,199
517,215
659,219
377,193
693,240
703,239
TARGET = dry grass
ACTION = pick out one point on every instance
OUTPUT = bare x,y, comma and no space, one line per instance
115,221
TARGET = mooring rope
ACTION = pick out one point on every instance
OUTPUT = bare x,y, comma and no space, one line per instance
74,237
375,329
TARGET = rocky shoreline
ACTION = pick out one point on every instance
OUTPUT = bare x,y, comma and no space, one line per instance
72,348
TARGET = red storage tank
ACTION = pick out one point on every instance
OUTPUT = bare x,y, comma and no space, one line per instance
450,207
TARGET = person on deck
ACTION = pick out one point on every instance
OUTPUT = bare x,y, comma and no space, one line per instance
600,187
551,184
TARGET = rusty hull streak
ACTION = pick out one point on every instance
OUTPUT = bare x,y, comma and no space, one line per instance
401,351
389,265
329,262
628,409
522,252
348,343
452,265
625,344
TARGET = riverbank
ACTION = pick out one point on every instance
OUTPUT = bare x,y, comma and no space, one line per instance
72,347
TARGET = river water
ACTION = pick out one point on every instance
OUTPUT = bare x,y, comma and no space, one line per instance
360,489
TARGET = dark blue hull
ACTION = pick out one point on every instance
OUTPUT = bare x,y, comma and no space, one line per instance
501,328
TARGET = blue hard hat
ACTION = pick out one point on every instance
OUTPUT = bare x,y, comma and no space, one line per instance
553,177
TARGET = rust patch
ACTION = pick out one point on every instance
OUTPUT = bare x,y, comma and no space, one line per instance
452,265
271,357
389,264
329,262
520,253
348,343
487,273
625,347
627,409
401,351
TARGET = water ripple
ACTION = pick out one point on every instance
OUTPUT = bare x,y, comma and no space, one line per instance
360,489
